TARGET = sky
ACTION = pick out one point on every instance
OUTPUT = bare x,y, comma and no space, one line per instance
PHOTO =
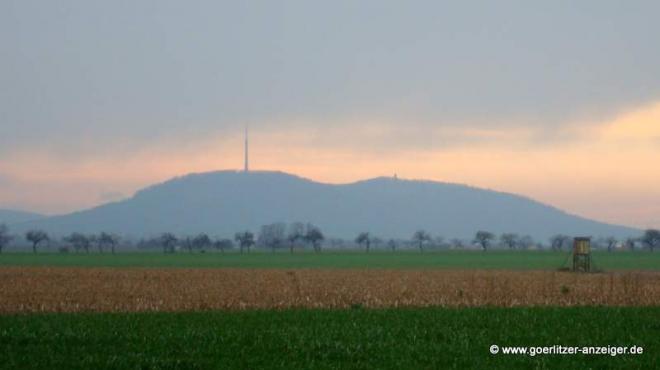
558,101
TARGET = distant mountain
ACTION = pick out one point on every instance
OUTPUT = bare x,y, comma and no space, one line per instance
9,216
221,203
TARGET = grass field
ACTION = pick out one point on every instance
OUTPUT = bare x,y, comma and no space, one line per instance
511,260
328,339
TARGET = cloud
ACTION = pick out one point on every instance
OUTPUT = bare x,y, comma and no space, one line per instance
104,76
4,180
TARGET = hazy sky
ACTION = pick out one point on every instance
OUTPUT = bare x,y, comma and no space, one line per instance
557,101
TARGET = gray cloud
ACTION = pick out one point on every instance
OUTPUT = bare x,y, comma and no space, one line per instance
130,73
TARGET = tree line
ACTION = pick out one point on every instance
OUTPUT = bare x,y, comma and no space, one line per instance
78,241
298,235
273,236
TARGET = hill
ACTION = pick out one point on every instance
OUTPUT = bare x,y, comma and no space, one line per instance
10,216
223,202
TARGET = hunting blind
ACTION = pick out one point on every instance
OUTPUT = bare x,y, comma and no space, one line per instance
582,254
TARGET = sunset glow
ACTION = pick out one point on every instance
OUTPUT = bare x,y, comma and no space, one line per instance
617,157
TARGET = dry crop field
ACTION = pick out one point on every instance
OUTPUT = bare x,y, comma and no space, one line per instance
65,289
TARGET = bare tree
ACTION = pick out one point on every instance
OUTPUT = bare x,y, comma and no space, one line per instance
314,236
651,239
5,237
420,237
244,239
168,242
526,242
364,238
223,244
36,237
201,241
392,244
610,242
79,241
558,241
187,243
630,243
296,234
96,239
483,238
107,239
457,243
87,242
272,236
150,243
509,240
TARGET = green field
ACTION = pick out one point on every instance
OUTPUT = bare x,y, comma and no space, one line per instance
516,260
324,339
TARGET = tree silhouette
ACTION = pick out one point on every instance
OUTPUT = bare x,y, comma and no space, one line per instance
314,236
5,237
483,238
187,243
79,241
509,240
244,239
168,242
558,241
272,236
296,234
611,242
223,244
420,237
526,242
36,237
364,238
108,239
201,241
651,239
392,244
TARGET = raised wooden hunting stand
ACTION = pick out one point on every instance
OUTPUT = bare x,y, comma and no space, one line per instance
582,254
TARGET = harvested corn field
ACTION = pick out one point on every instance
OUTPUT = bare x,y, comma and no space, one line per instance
39,289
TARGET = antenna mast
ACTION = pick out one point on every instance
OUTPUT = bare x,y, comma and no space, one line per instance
246,167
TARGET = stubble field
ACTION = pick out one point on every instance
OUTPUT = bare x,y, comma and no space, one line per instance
63,289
